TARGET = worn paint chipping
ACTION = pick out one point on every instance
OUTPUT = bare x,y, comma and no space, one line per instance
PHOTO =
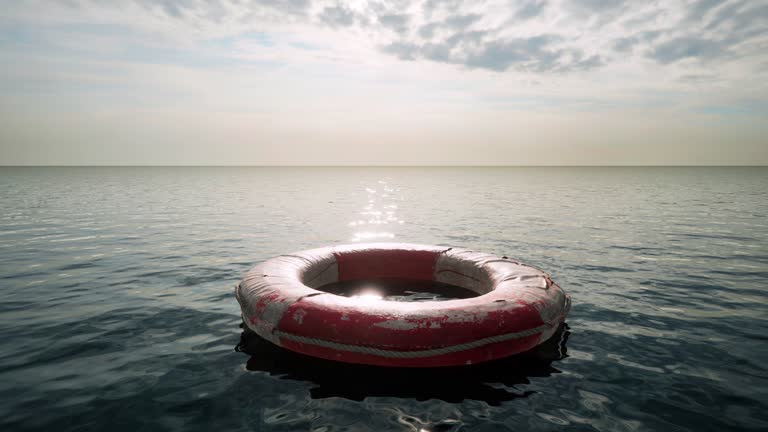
397,324
299,315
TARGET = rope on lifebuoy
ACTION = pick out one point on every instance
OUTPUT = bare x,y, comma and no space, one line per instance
411,354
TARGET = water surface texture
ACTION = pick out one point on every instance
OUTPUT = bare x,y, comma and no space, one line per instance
117,309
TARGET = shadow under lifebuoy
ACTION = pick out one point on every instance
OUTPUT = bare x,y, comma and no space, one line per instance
492,382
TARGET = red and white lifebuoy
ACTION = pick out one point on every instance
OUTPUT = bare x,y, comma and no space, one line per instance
518,307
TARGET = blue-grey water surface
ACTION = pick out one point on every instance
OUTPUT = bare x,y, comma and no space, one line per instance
117,308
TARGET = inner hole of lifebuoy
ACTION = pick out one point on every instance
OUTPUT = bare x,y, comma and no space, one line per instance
396,289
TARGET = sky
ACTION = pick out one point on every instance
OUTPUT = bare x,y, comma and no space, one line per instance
326,82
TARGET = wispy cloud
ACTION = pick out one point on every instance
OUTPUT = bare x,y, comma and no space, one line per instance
603,49
538,35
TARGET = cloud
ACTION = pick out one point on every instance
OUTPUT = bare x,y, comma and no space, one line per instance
701,7
461,22
532,36
432,7
624,44
338,16
740,20
561,36
452,24
216,9
530,9
598,5
686,47
287,6
627,44
529,53
395,22
712,30
474,50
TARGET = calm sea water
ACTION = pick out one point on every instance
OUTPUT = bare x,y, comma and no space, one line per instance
117,308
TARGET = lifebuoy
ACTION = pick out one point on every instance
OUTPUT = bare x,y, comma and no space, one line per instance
518,306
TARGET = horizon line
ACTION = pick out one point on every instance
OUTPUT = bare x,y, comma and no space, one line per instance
381,166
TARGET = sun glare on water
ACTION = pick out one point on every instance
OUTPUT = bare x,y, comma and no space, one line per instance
379,212
368,296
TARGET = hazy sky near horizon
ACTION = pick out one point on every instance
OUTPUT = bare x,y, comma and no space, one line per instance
297,82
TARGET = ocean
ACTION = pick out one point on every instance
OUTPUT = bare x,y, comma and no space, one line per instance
117,309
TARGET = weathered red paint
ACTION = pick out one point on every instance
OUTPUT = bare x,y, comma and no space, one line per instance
520,300
431,326
479,355
378,263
